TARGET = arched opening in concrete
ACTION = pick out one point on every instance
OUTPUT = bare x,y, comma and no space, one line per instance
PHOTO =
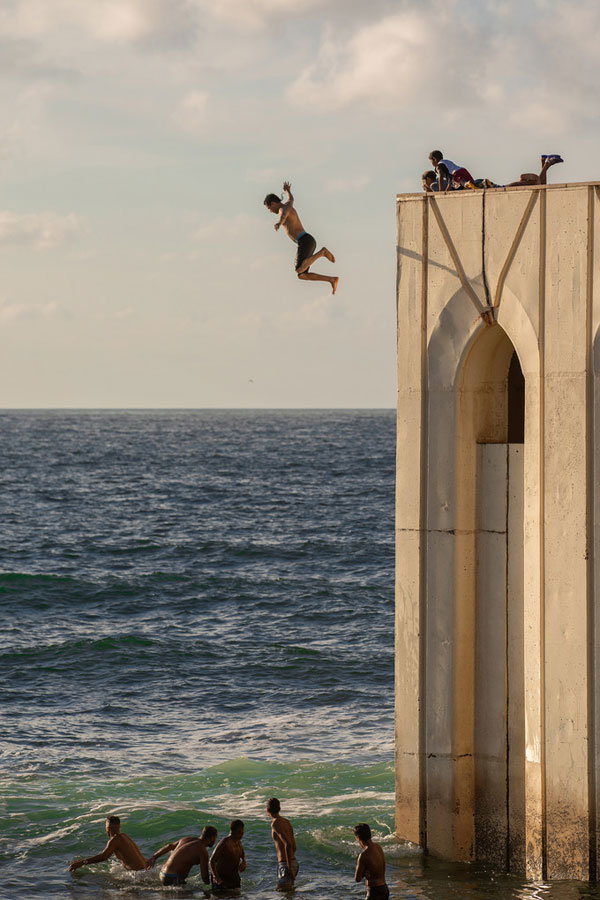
489,617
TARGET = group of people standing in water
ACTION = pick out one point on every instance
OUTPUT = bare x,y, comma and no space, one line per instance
228,860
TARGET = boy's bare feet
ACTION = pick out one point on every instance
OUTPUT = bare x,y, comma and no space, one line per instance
328,255
334,284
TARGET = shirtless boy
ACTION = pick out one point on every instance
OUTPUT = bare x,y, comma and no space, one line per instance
228,860
285,845
119,845
185,853
371,865
306,256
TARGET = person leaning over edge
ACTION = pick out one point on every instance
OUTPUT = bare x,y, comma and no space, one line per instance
185,853
228,859
119,845
449,174
370,864
285,845
429,181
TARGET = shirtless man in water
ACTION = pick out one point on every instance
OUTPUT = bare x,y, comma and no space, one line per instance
119,845
285,845
185,853
371,865
228,860
306,256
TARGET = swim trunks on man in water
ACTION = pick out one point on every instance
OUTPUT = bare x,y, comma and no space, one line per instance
285,878
306,247
377,892
225,886
170,879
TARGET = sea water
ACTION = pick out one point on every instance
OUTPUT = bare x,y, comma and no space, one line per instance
197,614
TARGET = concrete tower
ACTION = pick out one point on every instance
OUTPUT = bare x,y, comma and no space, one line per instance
497,527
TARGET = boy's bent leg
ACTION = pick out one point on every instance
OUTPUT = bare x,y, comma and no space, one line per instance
313,276
307,263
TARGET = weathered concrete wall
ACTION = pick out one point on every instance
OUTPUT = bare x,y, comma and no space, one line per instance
497,636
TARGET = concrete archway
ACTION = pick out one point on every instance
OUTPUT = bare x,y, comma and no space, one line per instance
480,758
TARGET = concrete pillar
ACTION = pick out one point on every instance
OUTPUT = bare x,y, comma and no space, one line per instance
498,639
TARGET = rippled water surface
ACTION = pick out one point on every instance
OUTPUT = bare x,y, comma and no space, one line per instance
197,613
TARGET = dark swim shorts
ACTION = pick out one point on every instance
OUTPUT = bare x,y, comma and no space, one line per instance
225,887
378,892
306,247
170,879
285,878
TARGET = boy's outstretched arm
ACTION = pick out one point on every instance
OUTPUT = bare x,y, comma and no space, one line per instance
166,849
100,857
288,189
285,207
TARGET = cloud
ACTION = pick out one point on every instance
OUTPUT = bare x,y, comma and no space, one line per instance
314,314
191,112
375,64
349,185
256,13
431,60
222,227
42,231
103,20
262,176
12,311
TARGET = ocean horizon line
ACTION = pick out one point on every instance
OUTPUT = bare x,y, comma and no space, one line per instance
11,409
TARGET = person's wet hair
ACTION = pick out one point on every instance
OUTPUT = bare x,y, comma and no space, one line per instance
208,831
272,198
436,155
362,832
273,805
429,174
236,826
113,821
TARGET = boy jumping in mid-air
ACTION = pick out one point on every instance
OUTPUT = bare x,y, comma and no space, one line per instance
306,256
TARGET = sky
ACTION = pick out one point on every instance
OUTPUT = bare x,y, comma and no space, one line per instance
139,267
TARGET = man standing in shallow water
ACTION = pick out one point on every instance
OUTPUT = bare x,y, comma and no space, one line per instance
285,845
121,845
228,860
371,864
185,853
306,256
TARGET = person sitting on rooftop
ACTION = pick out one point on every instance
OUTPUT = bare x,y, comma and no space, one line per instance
449,174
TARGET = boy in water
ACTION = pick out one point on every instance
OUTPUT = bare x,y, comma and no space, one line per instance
228,860
285,845
185,853
306,256
371,864
126,850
